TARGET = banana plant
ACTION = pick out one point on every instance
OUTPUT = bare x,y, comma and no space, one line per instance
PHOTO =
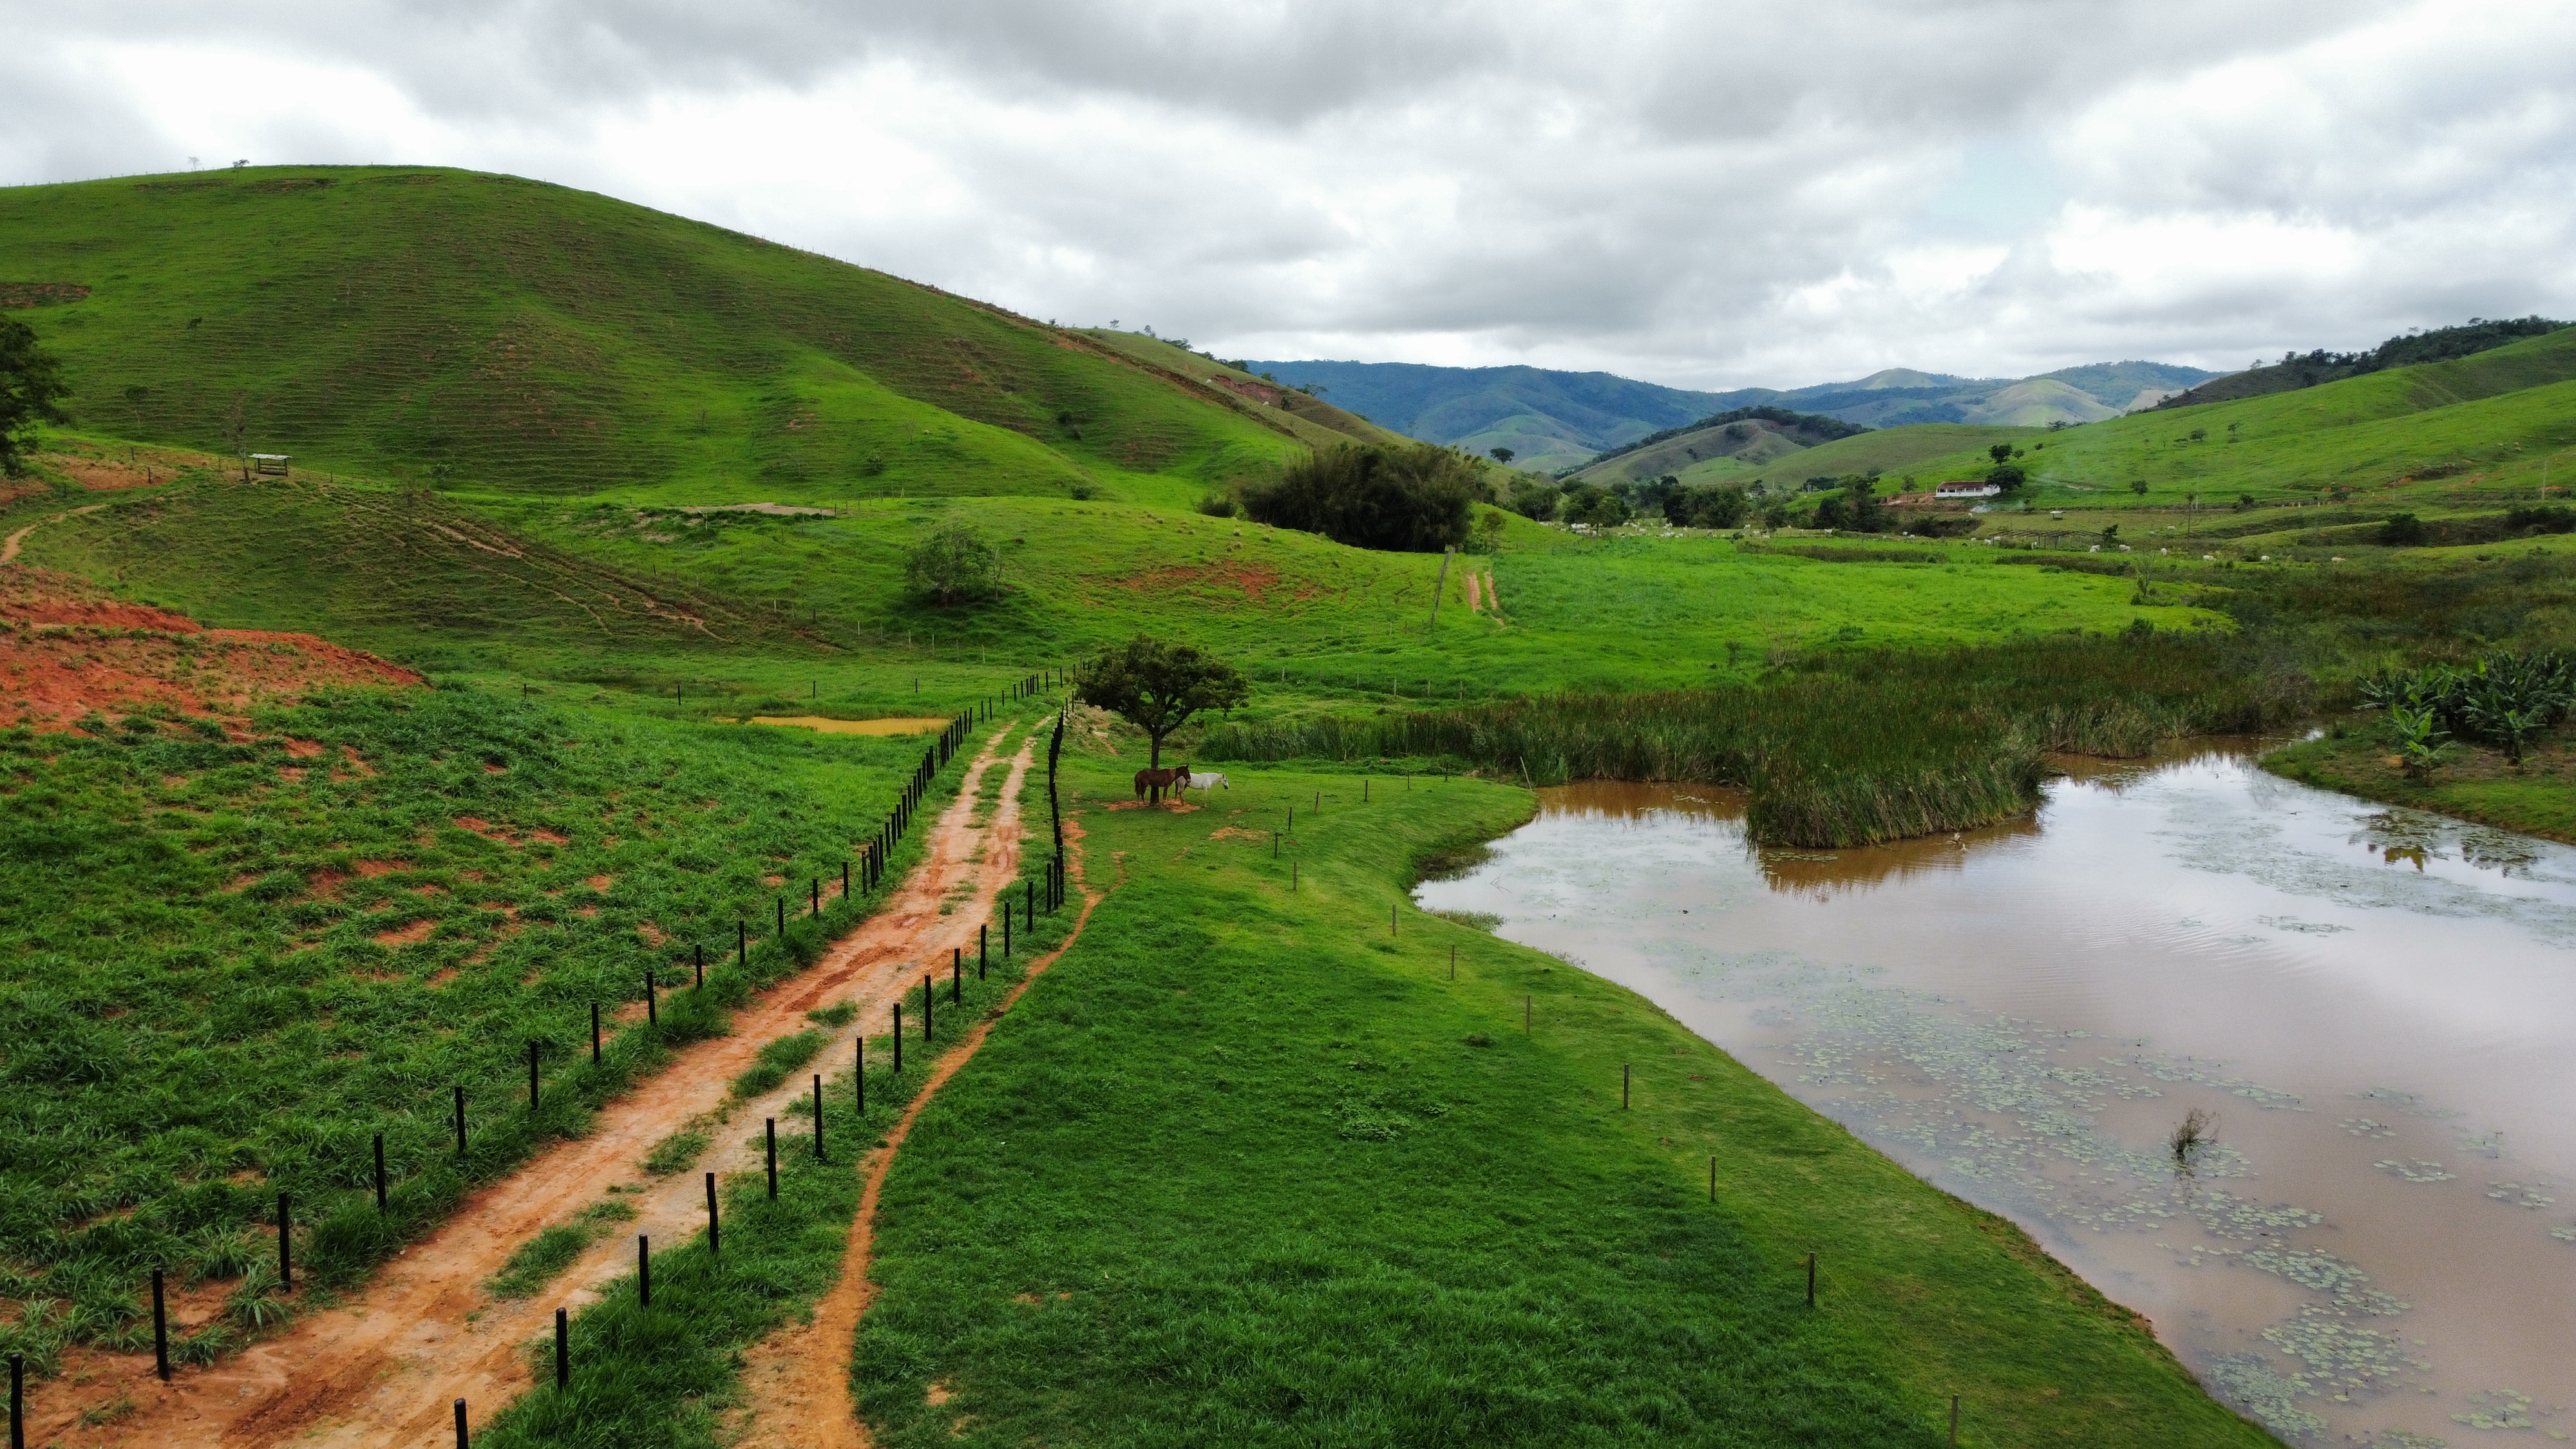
2420,738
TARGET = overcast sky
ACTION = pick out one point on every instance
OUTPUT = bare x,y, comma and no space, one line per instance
1705,195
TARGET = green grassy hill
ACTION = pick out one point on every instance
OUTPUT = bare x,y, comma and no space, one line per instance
508,334
1312,420
1775,455
2475,426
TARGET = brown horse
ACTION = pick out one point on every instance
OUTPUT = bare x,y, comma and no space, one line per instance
1158,781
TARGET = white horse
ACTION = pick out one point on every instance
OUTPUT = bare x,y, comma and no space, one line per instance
1209,780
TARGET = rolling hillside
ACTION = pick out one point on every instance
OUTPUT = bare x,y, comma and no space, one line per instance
2488,422
487,331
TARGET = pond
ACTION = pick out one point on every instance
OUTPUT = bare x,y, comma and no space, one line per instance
2378,1242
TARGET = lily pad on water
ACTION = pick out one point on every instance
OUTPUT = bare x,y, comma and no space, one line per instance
2521,1194
2263,1391
2415,1171
2338,1354
2496,1409
2367,1127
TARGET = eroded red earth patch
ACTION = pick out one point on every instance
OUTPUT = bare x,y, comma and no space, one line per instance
70,651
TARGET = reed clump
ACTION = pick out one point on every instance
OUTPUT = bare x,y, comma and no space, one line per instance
1857,752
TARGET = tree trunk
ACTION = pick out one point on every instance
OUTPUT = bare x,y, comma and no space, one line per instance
1154,761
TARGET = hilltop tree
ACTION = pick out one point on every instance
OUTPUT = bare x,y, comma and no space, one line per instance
2001,453
1157,687
1501,455
31,385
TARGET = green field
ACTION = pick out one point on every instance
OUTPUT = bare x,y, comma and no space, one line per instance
232,962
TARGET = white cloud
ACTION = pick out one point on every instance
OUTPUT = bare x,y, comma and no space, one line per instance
1707,195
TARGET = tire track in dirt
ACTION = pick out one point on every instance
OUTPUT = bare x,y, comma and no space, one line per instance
800,1375
384,1368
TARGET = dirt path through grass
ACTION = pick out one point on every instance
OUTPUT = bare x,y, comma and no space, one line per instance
384,1368
799,1377
10,546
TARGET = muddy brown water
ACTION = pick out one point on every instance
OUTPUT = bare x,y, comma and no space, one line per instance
2378,1246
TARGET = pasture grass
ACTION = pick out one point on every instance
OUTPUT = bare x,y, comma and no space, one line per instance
1247,1167
492,331
233,961
757,614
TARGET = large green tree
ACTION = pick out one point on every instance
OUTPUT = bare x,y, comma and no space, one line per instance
31,384
1158,686
1410,499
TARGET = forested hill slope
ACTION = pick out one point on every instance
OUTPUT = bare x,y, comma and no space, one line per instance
489,331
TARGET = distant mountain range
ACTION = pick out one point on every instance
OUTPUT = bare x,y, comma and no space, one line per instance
1557,420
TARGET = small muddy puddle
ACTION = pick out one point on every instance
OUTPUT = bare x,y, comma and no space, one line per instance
854,726
2379,1006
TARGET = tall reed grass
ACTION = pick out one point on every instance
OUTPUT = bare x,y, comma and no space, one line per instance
1859,752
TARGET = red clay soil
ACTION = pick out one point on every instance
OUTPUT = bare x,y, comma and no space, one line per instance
384,1368
68,649
802,1372
1252,579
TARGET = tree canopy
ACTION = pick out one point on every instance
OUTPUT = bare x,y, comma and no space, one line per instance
31,385
1411,500
1157,686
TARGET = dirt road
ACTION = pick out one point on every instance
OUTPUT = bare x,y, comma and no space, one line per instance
802,1372
384,1369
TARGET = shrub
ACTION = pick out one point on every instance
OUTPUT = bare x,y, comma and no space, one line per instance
1411,499
2543,519
2402,530
955,566
2007,476
1217,505
1487,535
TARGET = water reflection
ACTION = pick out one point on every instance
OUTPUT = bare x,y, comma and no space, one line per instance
2375,1004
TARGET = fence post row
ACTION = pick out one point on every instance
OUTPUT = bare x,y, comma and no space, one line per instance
873,864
